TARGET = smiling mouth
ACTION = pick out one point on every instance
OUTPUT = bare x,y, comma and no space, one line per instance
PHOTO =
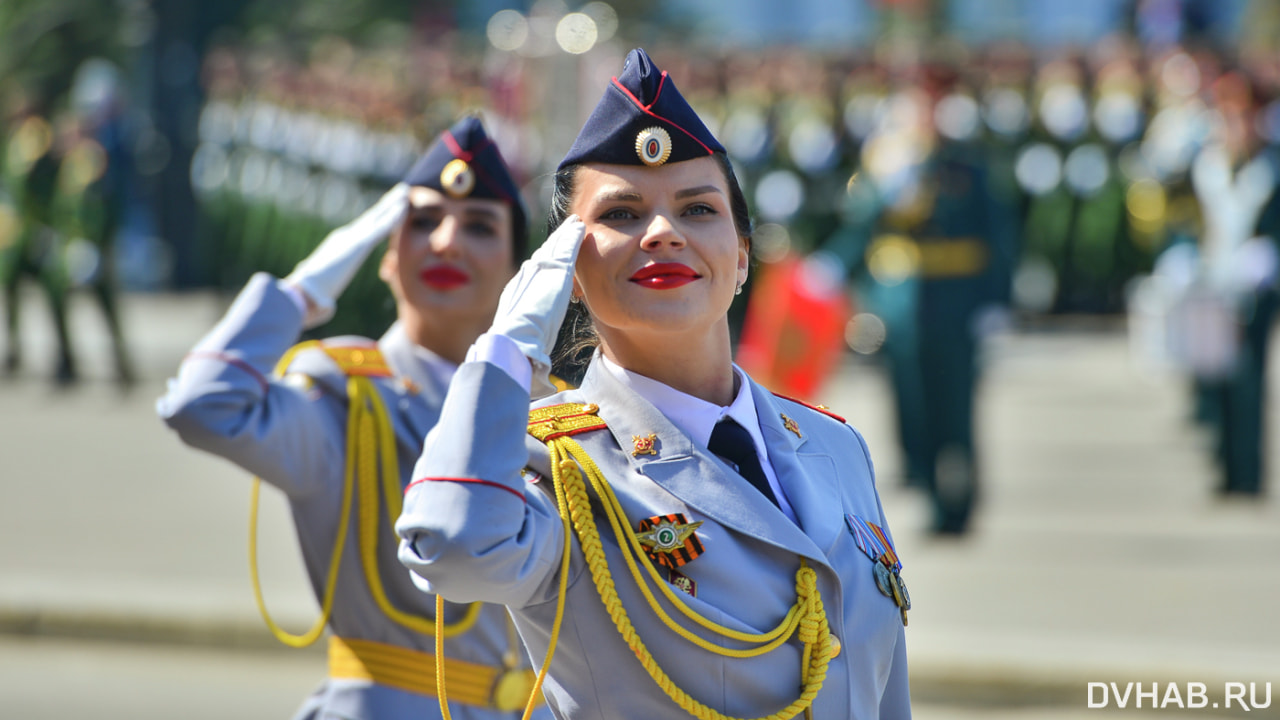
664,276
443,277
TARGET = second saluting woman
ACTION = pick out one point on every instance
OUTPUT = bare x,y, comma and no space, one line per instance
341,424
678,540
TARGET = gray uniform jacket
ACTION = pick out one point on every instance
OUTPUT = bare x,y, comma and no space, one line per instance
473,529
292,435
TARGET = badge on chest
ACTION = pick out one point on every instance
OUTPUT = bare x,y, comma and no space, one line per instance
670,543
887,568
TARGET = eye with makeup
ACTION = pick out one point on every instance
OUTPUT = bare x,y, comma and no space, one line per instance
425,220
700,209
618,214
482,229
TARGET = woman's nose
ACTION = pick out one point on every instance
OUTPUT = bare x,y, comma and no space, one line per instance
661,233
444,239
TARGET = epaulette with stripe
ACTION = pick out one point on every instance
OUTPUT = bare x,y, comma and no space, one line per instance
364,360
820,408
553,421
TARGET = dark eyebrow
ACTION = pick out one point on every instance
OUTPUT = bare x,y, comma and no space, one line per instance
619,196
481,213
700,190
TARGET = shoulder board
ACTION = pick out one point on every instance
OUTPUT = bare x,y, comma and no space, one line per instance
561,384
365,360
554,421
820,408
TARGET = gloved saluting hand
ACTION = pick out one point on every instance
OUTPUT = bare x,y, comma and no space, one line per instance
326,272
534,302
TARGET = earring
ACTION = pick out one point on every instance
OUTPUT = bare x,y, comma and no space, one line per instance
738,290
574,299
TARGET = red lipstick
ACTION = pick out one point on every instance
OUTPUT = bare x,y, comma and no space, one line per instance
664,276
444,277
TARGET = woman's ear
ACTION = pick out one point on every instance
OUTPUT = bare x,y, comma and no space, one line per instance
744,260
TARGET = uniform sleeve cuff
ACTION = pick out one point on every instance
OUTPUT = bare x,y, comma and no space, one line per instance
295,295
502,351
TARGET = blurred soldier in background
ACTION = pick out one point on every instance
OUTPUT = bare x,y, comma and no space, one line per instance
91,192
937,265
1235,178
31,247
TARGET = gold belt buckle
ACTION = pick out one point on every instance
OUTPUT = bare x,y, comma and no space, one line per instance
511,690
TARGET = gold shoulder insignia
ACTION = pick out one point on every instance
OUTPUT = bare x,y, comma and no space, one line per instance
555,421
366,361
560,383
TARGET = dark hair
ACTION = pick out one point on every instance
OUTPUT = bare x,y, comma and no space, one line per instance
519,234
577,339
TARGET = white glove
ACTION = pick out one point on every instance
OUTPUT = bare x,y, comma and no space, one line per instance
326,272
533,303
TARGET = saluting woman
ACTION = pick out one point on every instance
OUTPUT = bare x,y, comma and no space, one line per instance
341,424
679,540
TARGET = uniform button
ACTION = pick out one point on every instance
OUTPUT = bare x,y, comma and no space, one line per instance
835,646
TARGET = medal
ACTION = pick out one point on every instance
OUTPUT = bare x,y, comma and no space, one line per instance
668,540
883,580
886,567
683,583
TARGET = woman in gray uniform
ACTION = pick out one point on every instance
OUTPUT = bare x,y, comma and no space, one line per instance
671,538
340,424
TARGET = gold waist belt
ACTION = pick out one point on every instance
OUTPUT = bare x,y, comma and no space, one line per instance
414,671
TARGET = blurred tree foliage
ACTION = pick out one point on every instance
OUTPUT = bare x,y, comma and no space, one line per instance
43,42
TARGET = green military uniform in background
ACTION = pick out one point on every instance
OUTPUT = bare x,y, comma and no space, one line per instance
33,249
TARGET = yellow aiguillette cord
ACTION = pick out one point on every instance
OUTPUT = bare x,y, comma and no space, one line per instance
369,438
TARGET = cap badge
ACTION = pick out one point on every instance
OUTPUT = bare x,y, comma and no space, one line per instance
457,178
653,145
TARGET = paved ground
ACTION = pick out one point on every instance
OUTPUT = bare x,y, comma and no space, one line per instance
1100,553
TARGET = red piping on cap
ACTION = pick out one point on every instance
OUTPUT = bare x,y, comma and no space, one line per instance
468,157
645,109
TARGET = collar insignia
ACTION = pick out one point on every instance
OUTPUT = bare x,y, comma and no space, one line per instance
644,445
669,540
791,425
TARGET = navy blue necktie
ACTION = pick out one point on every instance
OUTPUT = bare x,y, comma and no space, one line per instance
732,442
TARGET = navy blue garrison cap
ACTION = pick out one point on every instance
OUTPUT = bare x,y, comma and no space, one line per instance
465,163
641,120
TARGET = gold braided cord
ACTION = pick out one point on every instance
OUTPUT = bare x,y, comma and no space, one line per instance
555,625
812,628
372,427
633,550
369,434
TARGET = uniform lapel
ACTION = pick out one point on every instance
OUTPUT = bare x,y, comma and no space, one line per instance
419,417
688,471
807,476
